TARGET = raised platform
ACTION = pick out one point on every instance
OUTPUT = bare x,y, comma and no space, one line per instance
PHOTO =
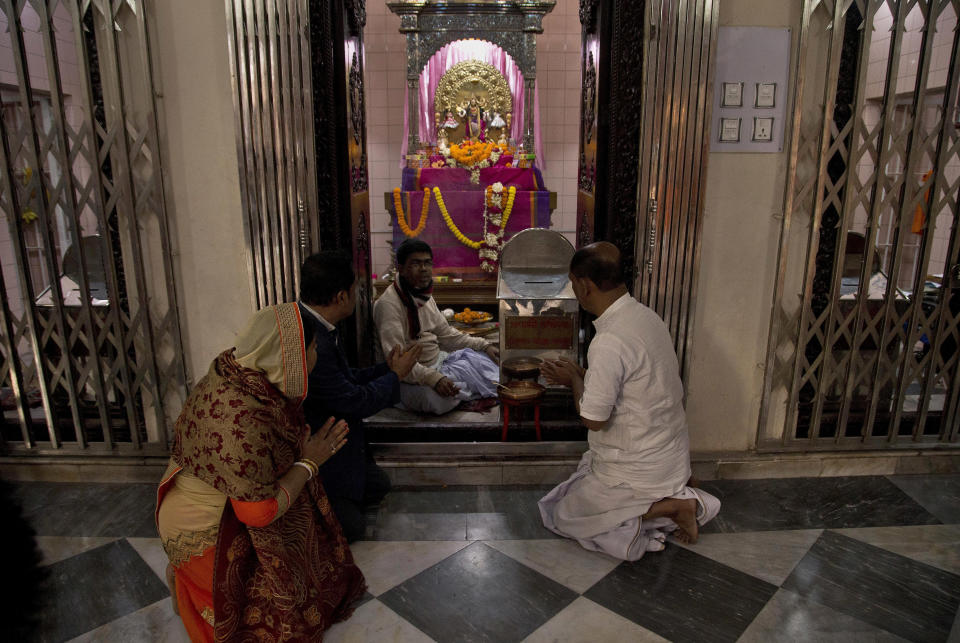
444,463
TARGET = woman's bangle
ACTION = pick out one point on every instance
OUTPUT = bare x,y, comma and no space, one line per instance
312,464
306,466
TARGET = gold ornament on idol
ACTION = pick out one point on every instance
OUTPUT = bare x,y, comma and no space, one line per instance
402,221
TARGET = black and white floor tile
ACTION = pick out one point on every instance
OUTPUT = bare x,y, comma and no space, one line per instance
873,558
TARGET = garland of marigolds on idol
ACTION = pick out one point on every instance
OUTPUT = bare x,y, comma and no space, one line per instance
490,245
402,221
493,242
471,155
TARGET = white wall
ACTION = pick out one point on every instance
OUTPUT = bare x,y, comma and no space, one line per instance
559,83
385,67
737,268
201,175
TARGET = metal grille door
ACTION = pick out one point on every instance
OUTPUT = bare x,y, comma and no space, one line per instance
90,348
678,75
269,43
863,346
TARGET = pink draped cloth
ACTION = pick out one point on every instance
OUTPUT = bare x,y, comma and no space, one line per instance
448,56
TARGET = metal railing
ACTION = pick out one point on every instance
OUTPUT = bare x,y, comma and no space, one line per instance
854,361
270,66
90,348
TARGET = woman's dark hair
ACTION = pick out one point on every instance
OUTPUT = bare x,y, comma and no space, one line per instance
323,275
409,247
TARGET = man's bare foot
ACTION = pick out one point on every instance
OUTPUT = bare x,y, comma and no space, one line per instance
682,512
686,518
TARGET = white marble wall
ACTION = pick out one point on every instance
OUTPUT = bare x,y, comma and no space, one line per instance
737,267
203,181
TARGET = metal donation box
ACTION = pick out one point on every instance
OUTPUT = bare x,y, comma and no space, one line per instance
539,314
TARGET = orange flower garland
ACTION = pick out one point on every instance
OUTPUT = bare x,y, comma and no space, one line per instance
462,238
469,153
401,220
492,239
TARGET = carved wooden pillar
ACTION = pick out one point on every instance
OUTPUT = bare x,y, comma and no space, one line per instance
359,215
339,113
610,118
529,86
413,109
587,166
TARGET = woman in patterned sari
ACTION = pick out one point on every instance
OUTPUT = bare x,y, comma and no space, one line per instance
255,551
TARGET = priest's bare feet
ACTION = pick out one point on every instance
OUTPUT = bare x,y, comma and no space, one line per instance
682,512
686,519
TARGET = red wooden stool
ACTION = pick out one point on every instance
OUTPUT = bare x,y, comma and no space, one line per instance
508,402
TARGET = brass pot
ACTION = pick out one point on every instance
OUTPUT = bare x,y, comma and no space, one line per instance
523,367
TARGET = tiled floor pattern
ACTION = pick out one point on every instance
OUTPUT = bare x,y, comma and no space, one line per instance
828,559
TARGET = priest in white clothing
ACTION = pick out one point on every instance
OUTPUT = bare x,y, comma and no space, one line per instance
453,366
631,488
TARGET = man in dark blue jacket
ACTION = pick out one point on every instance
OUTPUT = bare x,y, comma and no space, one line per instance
351,477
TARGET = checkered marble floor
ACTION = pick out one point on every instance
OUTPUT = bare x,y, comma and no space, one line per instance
873,558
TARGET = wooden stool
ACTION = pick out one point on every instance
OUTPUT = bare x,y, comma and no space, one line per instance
508,402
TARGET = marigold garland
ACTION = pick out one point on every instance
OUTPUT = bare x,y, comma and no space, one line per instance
469,154
512,194
462,238
401,220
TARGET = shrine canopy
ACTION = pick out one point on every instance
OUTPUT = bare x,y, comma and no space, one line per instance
457,52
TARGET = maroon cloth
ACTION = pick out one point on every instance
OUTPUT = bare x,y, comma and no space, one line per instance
447,178
293,578
530,210
413,310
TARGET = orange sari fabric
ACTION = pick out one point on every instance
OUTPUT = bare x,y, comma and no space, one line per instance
195,596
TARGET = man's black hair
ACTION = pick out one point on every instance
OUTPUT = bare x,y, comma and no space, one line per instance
323,275
606,274
409,247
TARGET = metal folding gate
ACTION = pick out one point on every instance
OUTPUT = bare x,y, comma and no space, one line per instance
864,334
90,347
677,78
269,44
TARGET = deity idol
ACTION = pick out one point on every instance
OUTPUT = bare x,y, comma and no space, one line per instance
476,126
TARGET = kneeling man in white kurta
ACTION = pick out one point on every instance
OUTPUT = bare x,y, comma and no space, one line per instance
632,487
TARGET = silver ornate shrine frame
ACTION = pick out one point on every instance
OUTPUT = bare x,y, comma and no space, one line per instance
512,25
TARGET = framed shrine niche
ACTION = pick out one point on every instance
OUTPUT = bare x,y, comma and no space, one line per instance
470,179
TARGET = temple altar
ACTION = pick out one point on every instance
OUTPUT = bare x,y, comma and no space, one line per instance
464,201
470,179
